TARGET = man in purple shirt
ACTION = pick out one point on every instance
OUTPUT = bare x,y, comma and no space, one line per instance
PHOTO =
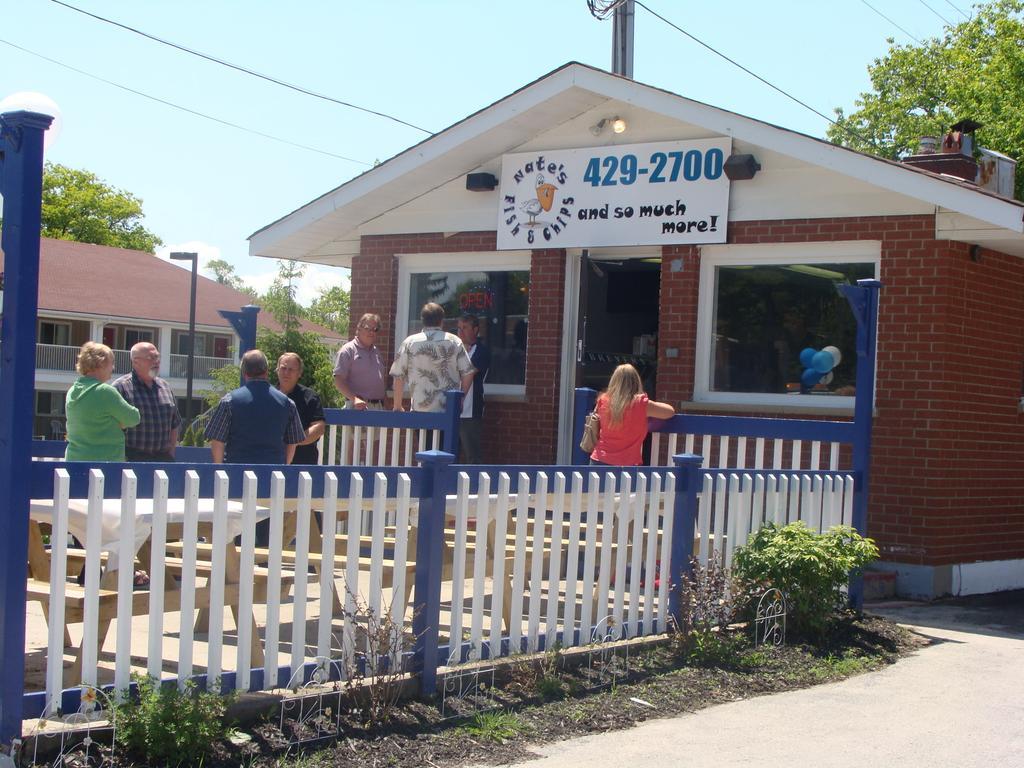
359,370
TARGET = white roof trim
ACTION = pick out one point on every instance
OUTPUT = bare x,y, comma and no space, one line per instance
904,180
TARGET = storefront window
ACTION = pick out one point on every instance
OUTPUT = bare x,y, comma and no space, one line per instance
765,320
500,299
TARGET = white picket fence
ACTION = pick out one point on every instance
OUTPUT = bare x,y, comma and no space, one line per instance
564,561
374,446
570,555
733,506
746,452
297,629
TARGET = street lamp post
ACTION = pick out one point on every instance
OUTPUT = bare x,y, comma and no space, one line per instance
190,369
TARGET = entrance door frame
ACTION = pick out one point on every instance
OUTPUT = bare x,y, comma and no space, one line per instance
570,316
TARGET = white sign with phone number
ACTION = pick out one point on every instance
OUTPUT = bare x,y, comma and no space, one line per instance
664,193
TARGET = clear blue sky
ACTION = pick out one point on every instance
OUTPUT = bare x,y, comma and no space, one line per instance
431,63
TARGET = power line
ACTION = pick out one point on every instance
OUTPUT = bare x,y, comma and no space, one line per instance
755,75
239,68
955,8
183,109
901,29
946,21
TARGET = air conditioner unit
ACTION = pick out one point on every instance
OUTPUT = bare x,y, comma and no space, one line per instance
996,172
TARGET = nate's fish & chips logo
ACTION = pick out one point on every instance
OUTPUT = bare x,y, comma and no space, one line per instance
537,181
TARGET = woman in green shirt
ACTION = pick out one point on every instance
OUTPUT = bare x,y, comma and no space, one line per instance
97,415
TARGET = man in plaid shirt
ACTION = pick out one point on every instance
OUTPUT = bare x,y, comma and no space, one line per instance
157,434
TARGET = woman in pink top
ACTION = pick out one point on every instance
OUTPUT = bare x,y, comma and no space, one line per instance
623,409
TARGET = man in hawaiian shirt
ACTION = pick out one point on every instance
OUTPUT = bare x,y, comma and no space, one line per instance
430,362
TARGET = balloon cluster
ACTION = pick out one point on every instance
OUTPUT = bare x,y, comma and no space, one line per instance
818,365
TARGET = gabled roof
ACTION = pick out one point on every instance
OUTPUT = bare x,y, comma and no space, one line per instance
326,229
119,283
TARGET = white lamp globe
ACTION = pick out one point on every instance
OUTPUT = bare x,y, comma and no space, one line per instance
30,101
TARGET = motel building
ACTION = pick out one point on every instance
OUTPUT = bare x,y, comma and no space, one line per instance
591,220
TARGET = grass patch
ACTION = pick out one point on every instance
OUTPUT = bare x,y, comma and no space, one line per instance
498,727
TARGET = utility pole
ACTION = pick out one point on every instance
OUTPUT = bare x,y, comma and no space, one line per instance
622,39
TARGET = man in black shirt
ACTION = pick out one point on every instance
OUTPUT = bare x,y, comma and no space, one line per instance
307,402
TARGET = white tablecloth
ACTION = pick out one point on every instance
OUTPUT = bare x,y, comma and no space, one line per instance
110,525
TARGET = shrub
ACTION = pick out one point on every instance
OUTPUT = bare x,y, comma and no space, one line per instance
168,726
809,568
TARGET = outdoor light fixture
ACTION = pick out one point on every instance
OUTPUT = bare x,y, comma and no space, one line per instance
741,167
481,182
618,125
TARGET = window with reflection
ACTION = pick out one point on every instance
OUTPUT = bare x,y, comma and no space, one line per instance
501,301
784,328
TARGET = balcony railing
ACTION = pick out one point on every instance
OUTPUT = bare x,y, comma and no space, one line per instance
58,357
202,366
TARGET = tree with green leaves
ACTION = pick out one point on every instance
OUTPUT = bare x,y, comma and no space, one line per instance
975,70
79,206
330,308
317,365
224,273
280,301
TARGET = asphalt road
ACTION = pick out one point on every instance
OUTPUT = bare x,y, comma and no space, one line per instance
958,702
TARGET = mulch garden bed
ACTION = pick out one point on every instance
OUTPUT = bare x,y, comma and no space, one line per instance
553,700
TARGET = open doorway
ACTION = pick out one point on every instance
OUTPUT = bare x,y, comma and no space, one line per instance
618,319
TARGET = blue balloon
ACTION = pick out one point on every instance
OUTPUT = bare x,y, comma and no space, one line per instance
810,377
823,362
806,355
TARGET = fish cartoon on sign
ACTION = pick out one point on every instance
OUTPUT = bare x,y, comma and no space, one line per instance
543,202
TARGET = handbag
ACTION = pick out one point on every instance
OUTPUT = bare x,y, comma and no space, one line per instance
591,432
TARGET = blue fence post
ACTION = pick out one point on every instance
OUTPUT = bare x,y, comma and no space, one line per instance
426,601
684,527
21,184
452,415
244,323
583,403
863,299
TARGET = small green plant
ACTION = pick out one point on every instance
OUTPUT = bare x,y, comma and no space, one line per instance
810,569
754,660
498,727
550,684
832,666
710,600
541,676
168,726
377,668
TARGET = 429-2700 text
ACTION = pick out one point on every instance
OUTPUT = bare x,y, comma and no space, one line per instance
693,165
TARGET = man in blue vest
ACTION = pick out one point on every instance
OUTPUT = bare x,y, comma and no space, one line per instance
256,423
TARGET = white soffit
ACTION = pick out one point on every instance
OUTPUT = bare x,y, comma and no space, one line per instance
326,227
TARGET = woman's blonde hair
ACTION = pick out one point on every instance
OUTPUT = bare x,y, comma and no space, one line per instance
92,357
623,387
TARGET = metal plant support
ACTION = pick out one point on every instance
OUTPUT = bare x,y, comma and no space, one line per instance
770,623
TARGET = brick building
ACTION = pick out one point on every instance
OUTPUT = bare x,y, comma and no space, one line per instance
704,247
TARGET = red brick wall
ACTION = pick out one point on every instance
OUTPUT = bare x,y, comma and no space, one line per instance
947,481
514,432
948,459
